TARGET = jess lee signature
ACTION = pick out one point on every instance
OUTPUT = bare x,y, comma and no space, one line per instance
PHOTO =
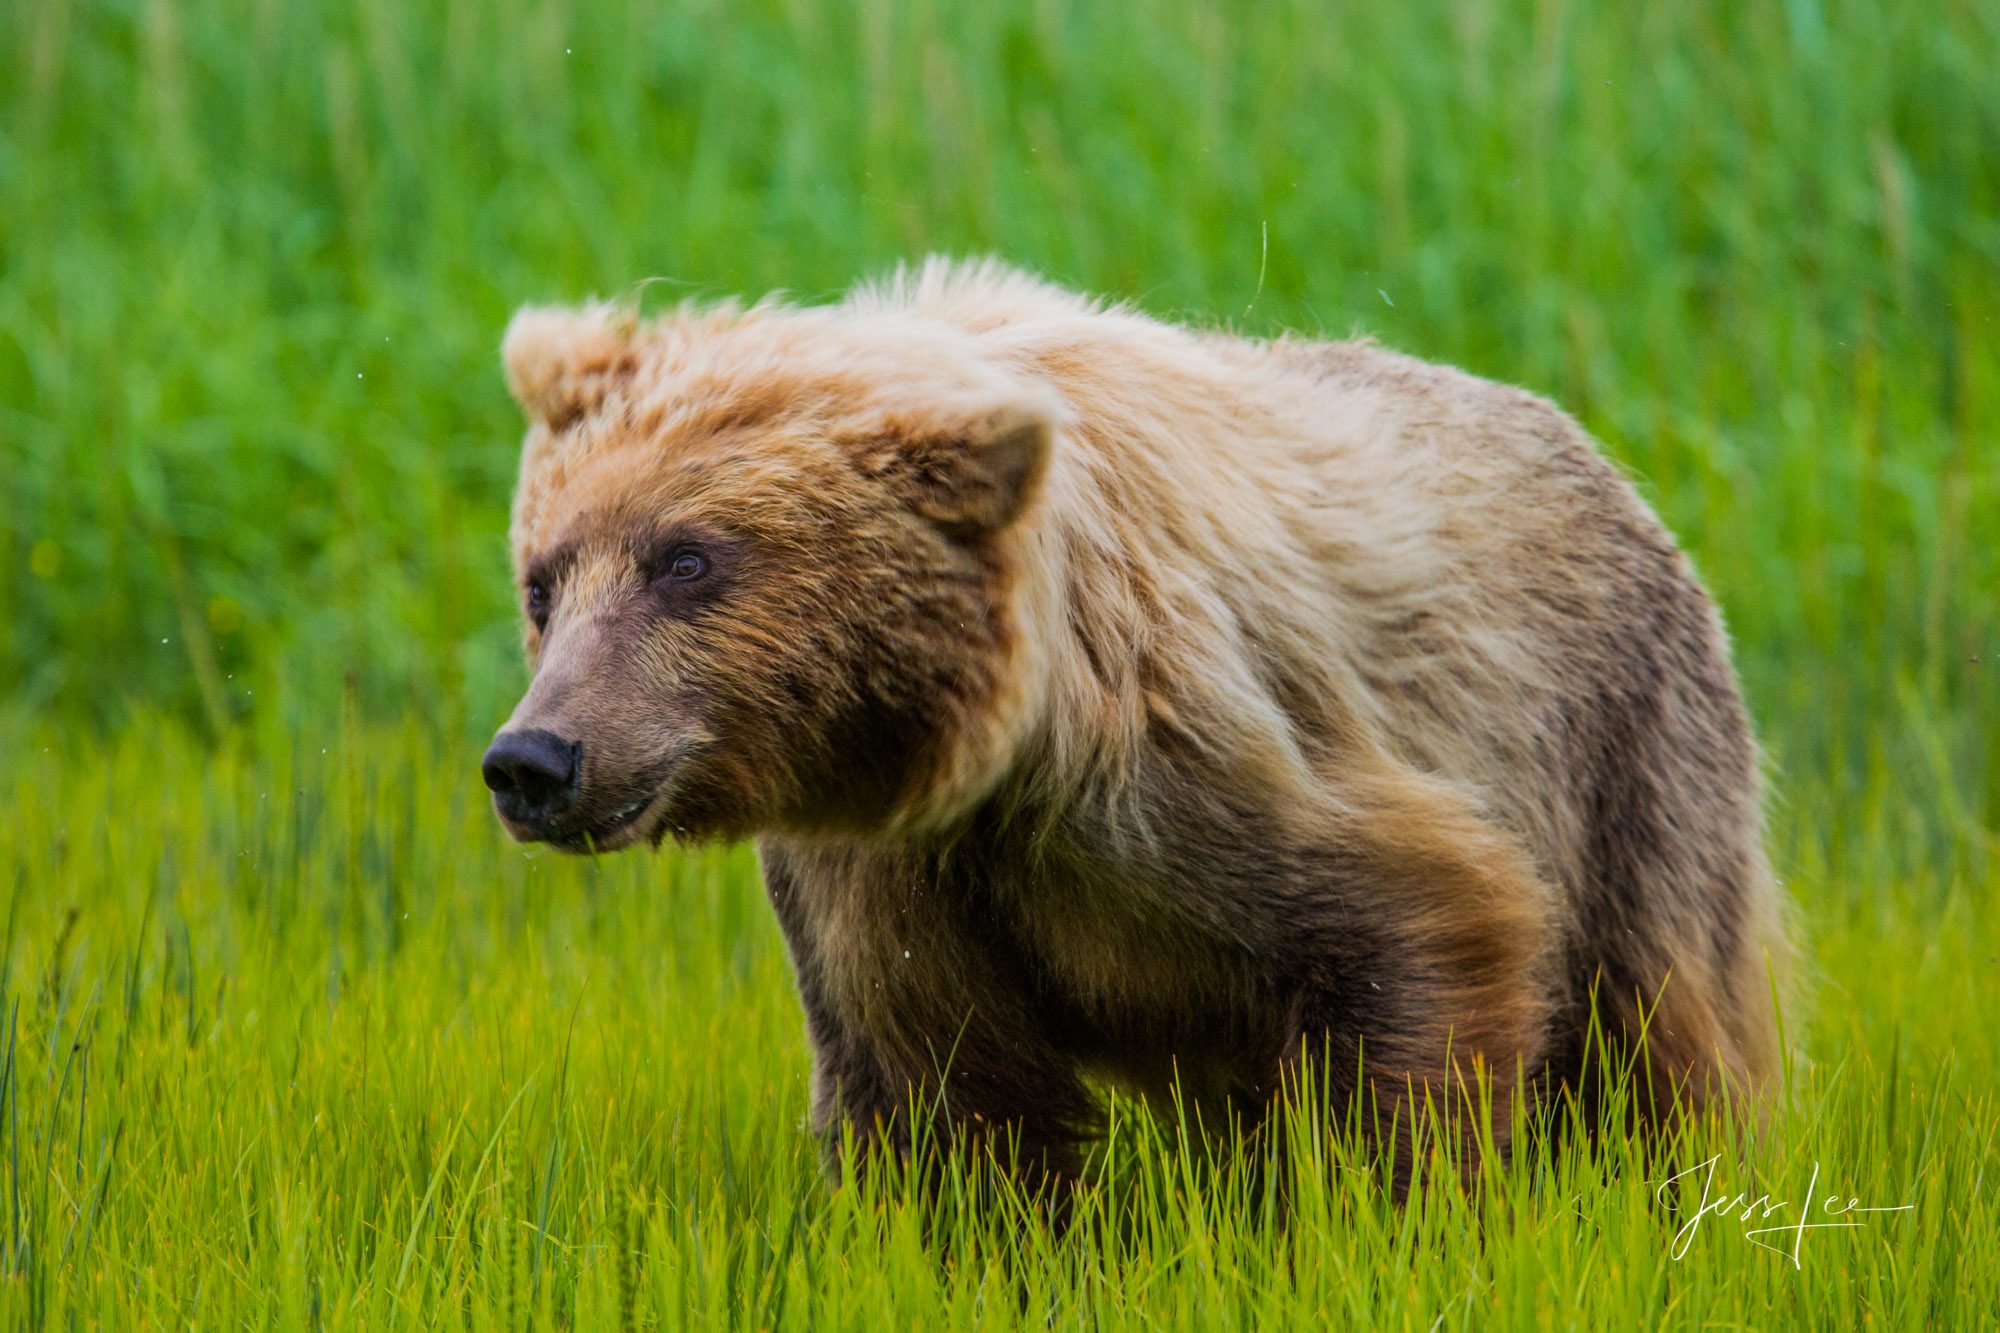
1762,1209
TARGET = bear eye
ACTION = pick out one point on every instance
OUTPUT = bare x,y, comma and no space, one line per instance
538,600
687,565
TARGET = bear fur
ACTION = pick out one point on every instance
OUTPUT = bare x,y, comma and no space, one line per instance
1111,700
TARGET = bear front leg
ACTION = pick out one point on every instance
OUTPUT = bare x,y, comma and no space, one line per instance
924,1037
1426,974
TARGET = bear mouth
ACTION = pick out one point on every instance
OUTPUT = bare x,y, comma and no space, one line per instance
617,830
645,815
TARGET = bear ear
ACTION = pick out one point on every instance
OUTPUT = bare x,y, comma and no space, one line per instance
562,362
971,471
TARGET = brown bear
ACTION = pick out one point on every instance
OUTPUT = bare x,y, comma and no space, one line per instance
1115,700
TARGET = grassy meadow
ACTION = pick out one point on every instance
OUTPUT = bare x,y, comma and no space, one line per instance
291,1036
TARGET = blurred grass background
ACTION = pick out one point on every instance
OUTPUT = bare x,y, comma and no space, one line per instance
255,257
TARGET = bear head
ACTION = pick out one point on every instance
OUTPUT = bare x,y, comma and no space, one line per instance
768,560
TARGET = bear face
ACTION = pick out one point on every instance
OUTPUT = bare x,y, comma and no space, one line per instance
766,577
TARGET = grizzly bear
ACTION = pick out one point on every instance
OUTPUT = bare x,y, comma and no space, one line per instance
1116,701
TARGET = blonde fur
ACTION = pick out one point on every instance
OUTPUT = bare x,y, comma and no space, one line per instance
1202,658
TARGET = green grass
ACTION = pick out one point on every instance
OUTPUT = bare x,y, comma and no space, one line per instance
296,1037
298,1041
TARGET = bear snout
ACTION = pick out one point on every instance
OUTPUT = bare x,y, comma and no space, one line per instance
533,775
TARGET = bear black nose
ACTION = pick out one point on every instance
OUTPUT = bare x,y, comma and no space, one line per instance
533,775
